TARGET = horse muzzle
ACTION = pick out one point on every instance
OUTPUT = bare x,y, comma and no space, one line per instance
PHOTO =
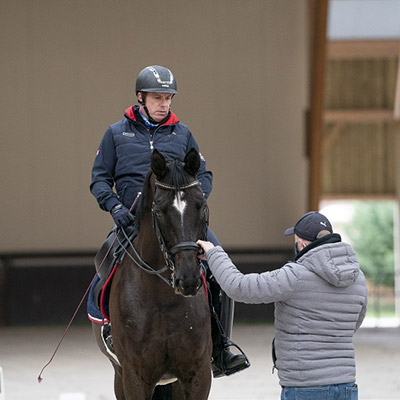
187,278
188,288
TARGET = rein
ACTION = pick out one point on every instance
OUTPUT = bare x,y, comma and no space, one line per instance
143,265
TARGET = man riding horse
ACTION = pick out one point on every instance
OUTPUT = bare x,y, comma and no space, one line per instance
123,160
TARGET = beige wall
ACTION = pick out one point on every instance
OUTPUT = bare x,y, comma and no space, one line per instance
68,70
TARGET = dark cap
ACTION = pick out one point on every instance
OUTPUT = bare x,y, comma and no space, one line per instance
309,225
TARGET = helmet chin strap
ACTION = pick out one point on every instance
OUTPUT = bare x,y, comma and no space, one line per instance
149,117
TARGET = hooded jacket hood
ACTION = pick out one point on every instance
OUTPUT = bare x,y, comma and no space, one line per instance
336,263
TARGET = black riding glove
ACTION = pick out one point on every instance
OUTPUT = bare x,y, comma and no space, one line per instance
121,215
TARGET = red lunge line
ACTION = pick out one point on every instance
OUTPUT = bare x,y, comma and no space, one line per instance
86,292
76,311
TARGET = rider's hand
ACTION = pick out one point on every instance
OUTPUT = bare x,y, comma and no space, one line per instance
121,216
206,246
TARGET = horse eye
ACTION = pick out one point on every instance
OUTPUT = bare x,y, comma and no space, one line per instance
157,211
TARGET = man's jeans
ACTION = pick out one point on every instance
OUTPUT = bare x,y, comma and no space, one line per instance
344,391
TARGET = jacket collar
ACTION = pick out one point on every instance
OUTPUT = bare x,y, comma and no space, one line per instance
331,238
130,113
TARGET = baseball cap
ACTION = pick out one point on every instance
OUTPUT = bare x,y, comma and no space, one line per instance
309,225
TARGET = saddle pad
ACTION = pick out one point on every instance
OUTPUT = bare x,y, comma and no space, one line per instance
95,313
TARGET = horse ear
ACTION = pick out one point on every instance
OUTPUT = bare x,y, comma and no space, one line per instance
192,162
158,164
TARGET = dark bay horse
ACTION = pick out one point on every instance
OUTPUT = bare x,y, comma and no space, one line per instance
161,327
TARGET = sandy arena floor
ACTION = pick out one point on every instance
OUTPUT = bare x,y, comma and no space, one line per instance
80,372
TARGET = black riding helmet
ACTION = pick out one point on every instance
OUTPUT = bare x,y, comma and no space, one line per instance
157,79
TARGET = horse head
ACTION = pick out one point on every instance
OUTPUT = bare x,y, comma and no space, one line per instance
180,216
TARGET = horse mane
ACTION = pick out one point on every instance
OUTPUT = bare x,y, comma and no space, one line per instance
144,204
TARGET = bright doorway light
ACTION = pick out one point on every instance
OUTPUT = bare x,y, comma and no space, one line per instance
370,227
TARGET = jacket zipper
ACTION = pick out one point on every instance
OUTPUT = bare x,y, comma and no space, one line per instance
152,137
273,356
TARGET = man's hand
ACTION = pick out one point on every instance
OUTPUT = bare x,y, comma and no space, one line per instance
206,246
121,216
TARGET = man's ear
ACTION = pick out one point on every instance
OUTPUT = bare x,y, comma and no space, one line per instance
140,98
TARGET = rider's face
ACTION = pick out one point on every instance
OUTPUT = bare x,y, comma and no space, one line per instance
157,104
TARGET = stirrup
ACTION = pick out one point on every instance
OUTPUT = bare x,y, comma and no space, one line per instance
218,367
108,344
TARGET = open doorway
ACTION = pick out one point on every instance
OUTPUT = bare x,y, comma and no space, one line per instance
371,227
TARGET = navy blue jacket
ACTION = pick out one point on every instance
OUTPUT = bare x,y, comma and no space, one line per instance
123,158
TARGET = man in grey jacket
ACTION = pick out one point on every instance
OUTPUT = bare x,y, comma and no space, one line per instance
320,301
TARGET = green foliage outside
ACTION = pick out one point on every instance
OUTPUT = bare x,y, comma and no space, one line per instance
372,236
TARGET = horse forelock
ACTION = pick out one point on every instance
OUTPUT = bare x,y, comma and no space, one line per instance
177,176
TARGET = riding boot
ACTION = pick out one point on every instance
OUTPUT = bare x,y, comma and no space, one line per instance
224,362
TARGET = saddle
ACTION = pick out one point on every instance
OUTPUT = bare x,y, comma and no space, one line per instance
111,253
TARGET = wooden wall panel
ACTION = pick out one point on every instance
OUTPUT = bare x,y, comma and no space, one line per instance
360,128
361,161
361,84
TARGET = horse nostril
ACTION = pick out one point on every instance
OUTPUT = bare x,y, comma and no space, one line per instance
178,283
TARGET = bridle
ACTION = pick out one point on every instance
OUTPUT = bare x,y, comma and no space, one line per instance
168,253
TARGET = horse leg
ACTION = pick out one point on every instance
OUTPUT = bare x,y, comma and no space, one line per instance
134,386
196,385
162,392
118,384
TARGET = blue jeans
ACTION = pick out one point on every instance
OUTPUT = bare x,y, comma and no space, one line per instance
344,391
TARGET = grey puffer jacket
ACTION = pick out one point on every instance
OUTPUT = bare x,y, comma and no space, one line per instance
320,301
